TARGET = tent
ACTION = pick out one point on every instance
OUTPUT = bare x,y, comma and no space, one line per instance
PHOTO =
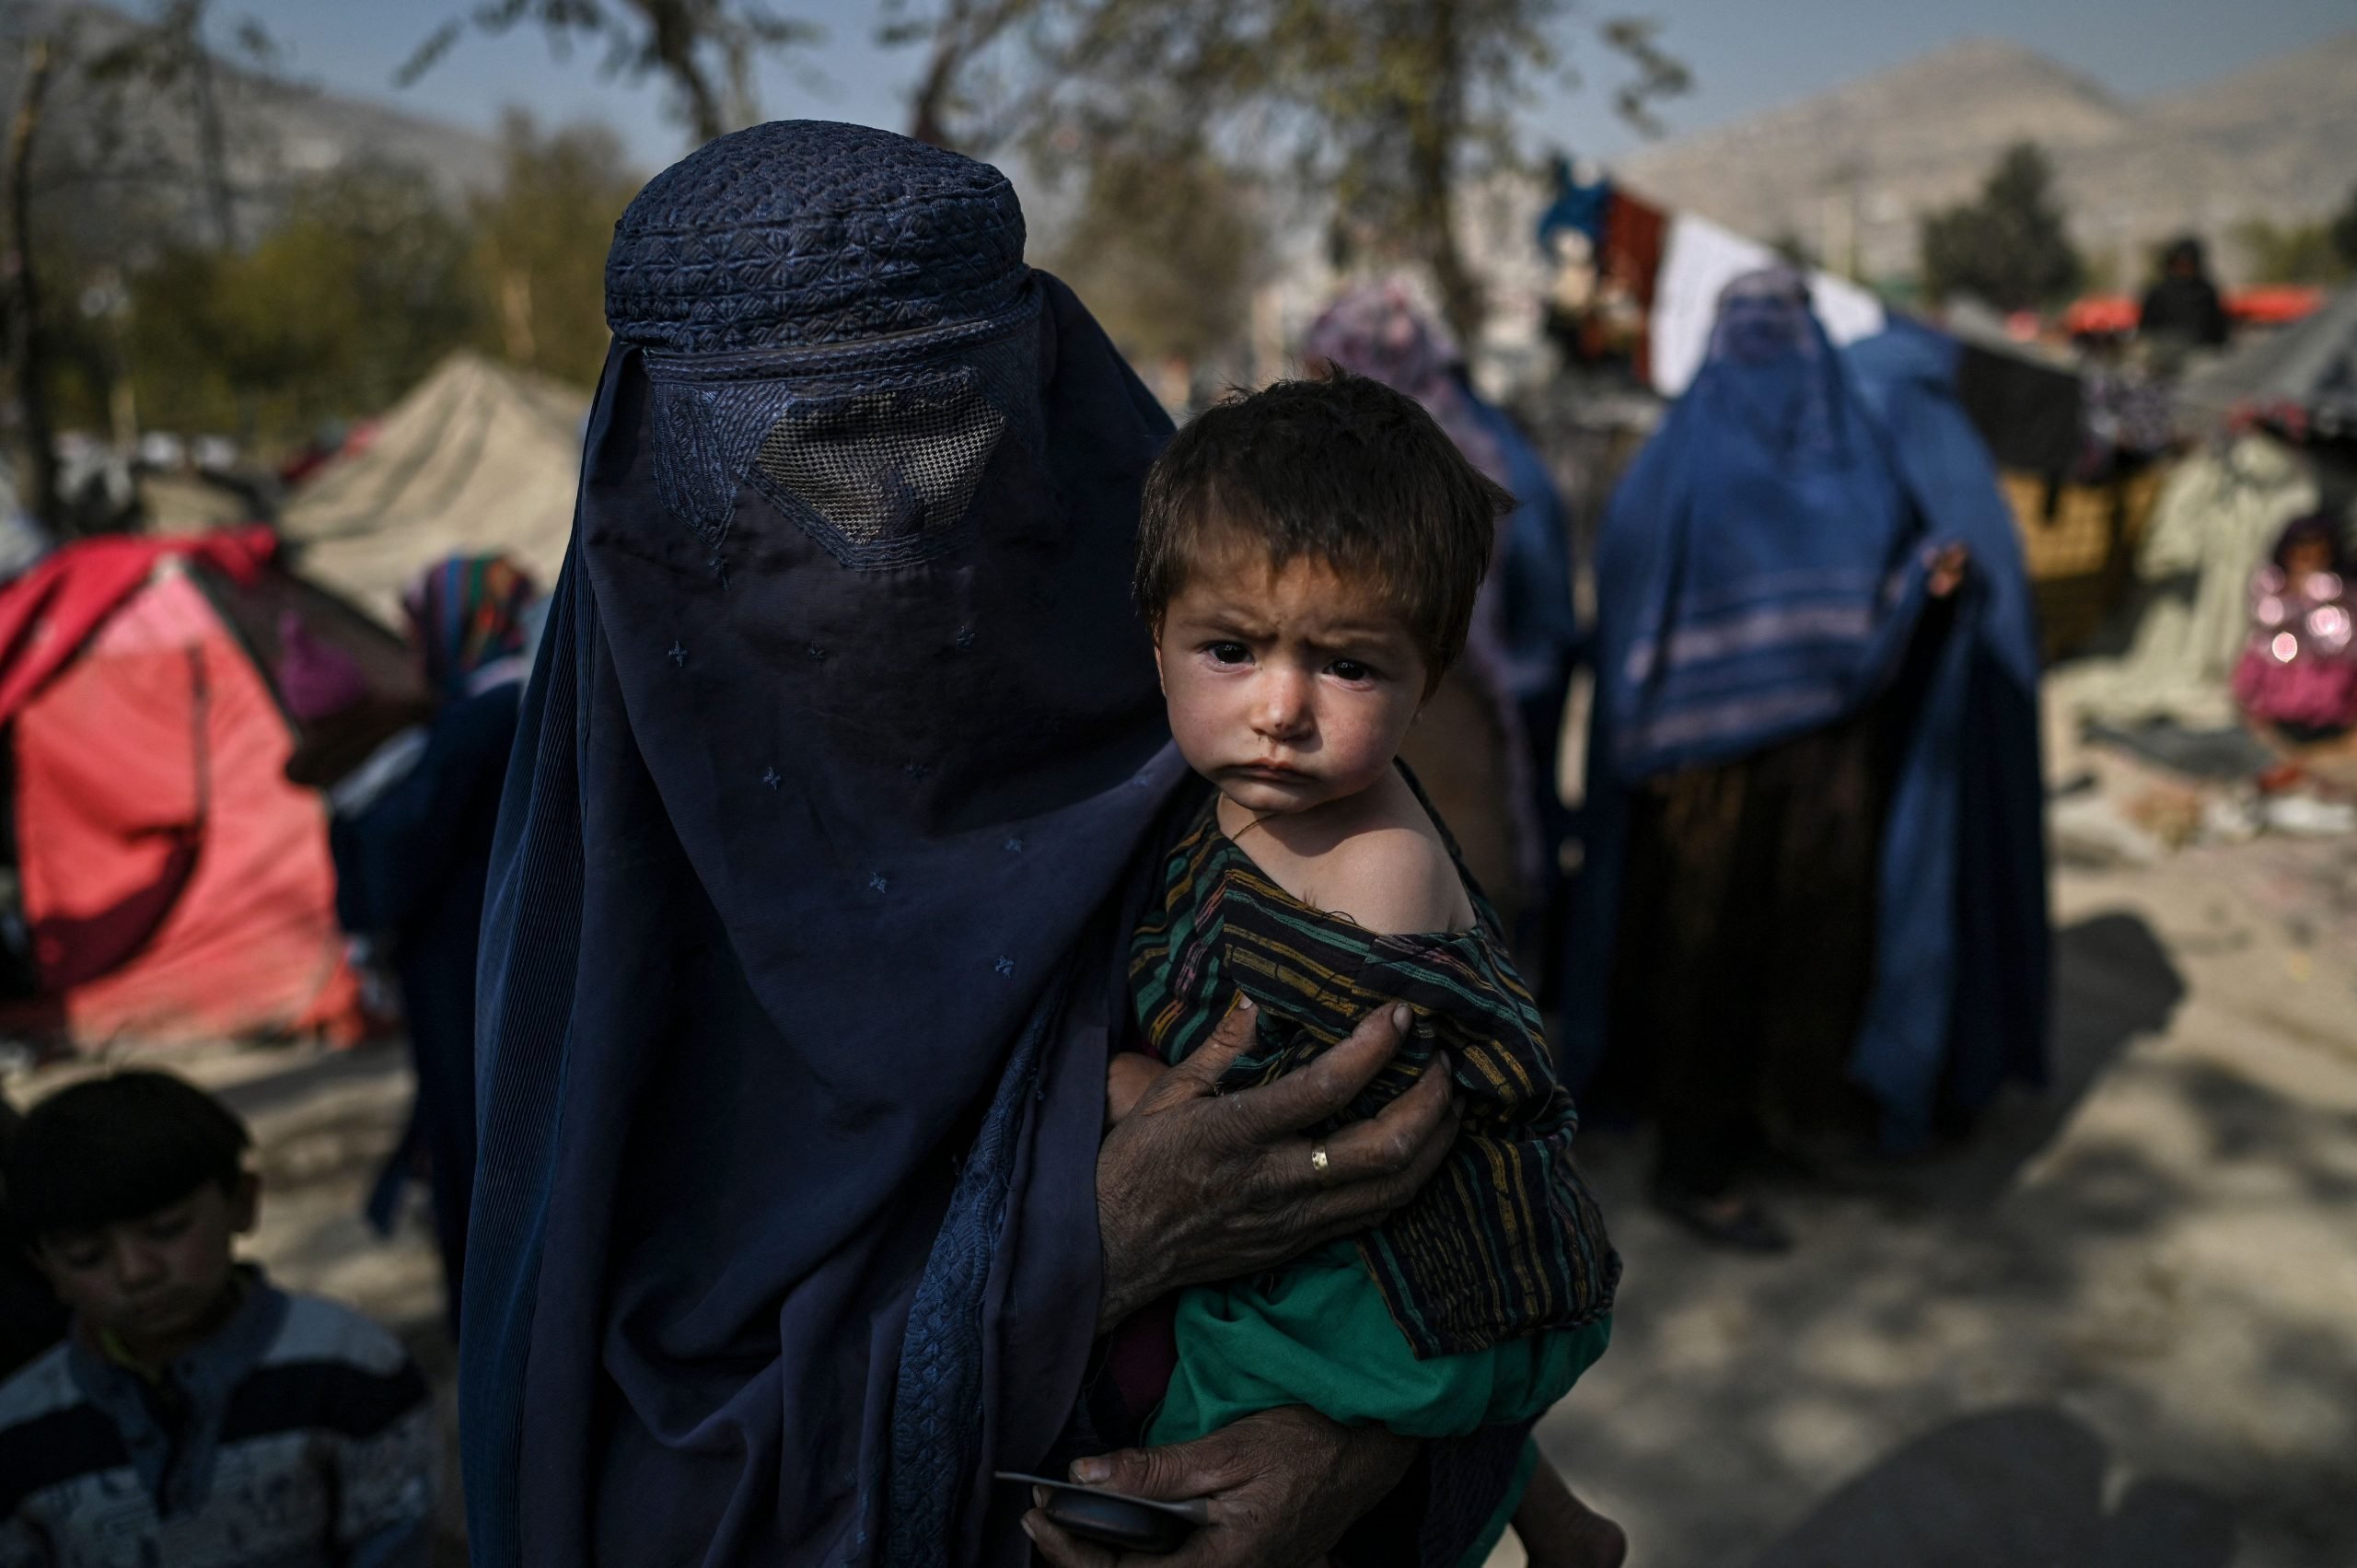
2308,368
478,459
174,885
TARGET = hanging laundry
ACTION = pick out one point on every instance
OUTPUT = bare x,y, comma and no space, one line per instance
1627,263
1579,207
2029,412
1700,257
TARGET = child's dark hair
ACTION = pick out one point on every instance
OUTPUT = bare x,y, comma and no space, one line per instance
113,1149
1341,470
2317,528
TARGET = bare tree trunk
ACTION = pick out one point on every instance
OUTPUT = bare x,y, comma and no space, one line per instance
212,143
675,35
967,29
515,315
28,350
932,96
1433,139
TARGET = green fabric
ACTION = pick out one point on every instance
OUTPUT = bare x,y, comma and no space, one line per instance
1505,1240
1484,1543
1318,1334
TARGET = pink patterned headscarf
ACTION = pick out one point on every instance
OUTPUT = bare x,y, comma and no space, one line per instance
1378,331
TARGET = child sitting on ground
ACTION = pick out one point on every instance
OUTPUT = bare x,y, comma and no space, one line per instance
2298,671
1308,561
194,1416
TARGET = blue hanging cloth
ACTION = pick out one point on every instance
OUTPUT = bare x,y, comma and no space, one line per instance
1576,208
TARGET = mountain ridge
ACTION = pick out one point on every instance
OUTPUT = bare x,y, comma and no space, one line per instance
141,141
1854,168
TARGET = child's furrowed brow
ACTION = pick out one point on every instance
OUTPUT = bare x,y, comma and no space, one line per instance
1223,621
1373,637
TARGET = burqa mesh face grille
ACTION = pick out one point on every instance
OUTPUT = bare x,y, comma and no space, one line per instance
880,469
881,478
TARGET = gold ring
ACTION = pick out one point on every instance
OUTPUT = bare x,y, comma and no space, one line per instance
1318,1160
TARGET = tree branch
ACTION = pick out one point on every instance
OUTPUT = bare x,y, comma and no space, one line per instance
29,357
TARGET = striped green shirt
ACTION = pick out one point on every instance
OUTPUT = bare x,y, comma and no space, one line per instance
1505,1240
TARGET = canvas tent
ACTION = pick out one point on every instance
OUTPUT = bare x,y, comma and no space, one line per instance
175,886
478,459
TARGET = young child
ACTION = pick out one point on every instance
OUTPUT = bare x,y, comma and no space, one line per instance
194,1417
1308,561
2298,672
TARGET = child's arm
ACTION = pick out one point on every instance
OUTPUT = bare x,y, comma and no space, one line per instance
1126,1081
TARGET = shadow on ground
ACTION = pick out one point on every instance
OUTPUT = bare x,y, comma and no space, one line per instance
2004,1488
1997,1354
2114,982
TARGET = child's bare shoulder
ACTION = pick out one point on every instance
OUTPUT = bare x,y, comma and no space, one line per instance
1392,872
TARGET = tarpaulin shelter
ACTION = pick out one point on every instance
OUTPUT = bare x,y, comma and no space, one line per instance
2304,375
478,459
175,885
2269,305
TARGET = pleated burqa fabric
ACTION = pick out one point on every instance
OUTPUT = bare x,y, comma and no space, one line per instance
800,952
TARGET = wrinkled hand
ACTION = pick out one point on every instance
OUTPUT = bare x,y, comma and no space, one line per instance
1193,1187
1282,1486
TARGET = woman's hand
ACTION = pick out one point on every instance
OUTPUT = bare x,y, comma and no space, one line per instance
1194,1186
1949,568
1282,1486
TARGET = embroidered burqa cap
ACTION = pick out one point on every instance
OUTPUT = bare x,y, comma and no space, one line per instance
802,937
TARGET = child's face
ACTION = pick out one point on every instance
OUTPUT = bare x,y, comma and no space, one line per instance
153,1279
1288,686
2306,557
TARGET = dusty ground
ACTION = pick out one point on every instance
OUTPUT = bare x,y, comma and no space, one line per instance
2120,1330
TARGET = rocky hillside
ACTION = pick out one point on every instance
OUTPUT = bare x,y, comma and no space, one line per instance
133,145
1860,163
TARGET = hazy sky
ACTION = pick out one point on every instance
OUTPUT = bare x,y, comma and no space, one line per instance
1745,55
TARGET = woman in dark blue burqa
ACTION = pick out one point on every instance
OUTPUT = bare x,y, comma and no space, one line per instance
1815,902
836,793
